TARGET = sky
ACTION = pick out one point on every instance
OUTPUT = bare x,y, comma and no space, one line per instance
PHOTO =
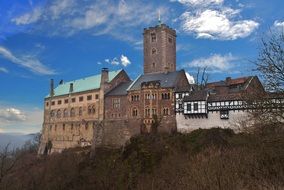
71,39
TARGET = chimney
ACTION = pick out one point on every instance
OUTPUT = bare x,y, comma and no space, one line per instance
71,88
228,79
104,76
51,93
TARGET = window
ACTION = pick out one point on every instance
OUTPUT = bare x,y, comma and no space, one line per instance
63,127
154,111
89,97
195,106
66,101
80,111
180,106
53,103
166,111
153,37
93,109
52,113
72,112
59,102
47,103
166,96
188,107
147,96
224,114
135,98
134,112
72,126
147,112
73,100
58,114
97,96
180,96
89,110
153,65
81,98
154,51
86,126
65,113
170,40
116,103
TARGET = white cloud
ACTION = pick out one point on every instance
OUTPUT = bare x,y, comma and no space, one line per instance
215,62
278,25
189,78
61,7
4,70
212,19
217,24
124,60
20,119
29,18
11,115
27,61
111,17
199,2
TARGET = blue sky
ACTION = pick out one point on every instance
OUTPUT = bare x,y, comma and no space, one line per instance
70,39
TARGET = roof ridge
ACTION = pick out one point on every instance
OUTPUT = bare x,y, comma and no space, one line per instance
89,77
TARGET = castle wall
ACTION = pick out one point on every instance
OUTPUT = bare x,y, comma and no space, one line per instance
236,119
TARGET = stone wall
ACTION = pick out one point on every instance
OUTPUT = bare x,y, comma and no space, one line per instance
235,121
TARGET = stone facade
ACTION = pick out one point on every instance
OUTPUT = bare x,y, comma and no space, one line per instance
70,119
159,49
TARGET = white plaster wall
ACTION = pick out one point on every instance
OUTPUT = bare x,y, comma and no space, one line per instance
236,119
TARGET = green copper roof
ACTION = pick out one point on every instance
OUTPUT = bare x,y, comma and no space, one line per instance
84,84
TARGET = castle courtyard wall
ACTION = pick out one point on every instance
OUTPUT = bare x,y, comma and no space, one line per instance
236,120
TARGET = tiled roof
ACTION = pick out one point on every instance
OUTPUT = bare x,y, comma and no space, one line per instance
84,84
230,82
121,89
224,97
197,96
167,80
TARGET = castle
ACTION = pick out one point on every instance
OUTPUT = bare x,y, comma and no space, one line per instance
109,108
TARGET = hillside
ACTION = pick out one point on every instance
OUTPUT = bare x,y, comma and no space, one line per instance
202,160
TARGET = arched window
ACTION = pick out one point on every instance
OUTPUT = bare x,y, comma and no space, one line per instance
89,110
154,51
134,112
52,113
93,109
80,111
65,113
72,112
165,111
58,114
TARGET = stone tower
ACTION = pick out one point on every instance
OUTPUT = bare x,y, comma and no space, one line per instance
159,49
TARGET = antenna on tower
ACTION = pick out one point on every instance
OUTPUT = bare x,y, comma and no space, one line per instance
159,17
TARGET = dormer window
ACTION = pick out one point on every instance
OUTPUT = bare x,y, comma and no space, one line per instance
153,37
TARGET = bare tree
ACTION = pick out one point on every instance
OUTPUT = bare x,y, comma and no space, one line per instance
270,62
8,160
201,78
